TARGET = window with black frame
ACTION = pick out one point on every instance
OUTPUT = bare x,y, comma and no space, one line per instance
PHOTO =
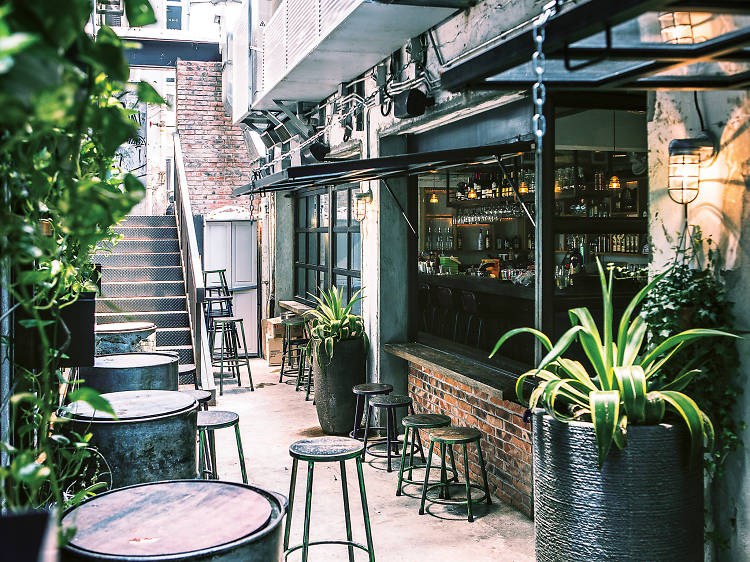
327,246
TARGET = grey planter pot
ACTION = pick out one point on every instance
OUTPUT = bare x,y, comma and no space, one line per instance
334,400
646,502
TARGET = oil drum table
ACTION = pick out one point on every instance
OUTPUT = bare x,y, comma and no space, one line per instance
153,437
132,371
124,337
182,520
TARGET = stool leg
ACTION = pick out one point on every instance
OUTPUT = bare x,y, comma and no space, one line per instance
309,382
365,511
292,486
212,447
444,472
247,361
347,517
453,464
357,416
421,447
368,415
239,452
308,505
403,462
236,351
468,486
415,431
426,479
221,371
201,454
484,473
388,436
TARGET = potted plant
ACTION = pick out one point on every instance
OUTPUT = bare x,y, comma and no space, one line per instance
338,344
643,498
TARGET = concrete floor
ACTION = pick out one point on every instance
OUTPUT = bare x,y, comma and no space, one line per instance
274,416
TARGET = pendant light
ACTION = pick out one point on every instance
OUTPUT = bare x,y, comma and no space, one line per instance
614,181
433,195
362,201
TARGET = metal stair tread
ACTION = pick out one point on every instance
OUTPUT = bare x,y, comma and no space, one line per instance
141,297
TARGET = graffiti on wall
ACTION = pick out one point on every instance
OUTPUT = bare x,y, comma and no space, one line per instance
132,155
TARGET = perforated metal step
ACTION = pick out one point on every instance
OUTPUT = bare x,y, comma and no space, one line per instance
173,336
136,260
171,319
140,304
146,232
185,352
141,273
158,220
144,289
140,246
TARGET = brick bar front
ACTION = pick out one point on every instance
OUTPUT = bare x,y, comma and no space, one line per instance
506,439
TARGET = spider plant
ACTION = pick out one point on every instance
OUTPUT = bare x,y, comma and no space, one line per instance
617,387
333,321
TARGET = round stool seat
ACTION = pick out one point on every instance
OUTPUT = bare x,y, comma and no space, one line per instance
217,298
455,435
227,319
202,396
216,419
390,400
371,388
326,449
426,421
293,321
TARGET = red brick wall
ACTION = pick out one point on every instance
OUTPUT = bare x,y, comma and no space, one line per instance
506,440
216,159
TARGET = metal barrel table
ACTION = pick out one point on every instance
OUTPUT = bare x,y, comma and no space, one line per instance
153,437
183,520
132,371
124,337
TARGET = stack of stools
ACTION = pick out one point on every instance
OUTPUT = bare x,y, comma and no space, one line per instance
445,438
390,403
413,424
327,449
220,321
292,348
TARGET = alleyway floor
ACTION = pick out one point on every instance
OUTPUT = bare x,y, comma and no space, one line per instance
274,416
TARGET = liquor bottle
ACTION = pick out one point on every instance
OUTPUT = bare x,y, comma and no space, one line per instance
494,186
460,240
480,240
487,240
516,243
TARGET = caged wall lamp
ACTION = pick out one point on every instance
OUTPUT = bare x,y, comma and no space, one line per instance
686,157
362,201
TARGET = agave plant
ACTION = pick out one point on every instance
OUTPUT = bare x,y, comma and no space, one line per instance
333,321
617,388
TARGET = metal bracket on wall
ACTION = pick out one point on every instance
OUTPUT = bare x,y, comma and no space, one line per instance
506,177
403,213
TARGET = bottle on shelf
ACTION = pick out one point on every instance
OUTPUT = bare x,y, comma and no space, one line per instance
460,240
480,240
487,240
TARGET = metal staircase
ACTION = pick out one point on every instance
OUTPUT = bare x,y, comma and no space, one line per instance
142,280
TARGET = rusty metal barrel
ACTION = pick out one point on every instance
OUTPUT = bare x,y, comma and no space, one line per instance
132,371
153,437
125,337
184,520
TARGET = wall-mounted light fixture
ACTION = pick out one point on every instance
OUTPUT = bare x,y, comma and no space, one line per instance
686,157
614,183
362,201
677,27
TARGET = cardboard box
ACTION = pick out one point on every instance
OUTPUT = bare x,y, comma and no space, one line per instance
273,328
274,347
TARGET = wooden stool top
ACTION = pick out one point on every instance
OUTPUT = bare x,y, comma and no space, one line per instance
326,449
217,419
372,388
455,435
390,400
161,518
426,421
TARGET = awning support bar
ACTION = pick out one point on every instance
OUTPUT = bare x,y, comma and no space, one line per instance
518,195
403,213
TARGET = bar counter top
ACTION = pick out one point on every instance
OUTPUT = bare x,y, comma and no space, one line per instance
488,285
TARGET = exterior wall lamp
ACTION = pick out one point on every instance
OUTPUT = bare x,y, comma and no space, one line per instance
362,201
677,27
686,157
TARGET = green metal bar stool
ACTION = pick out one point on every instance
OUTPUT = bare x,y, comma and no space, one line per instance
230,349
222,289
304,374
363,392
327,449
413,424
388,402
292,348
208,423
447,436
203,397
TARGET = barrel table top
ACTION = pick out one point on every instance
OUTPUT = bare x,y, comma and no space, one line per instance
133,360
122,327
162,518
136,404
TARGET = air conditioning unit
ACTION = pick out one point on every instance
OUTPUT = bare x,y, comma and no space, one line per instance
109,7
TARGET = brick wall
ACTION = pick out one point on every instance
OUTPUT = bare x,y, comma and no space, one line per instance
506,440
216,159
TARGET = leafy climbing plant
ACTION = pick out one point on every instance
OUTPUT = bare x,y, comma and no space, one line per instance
619,387
61,123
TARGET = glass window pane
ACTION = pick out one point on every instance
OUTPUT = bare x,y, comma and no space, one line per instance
323,249
356,284
342,207
342,282
312,248
356,264
312,285
312,219
341,250
352,206
301,213
323,209
301,247
321,279
300,290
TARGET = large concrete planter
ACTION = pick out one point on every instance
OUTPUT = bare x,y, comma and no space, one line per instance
334,400
645,503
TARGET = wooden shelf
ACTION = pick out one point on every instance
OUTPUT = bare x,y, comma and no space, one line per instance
599,225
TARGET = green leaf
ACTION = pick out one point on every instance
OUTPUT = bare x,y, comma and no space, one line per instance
546,342
632,383
629,310
605,413
655,408
681,380
633,342
93,399
148,94
561,346
682,337
694,419
139,13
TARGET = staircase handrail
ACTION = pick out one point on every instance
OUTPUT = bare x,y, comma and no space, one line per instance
193,270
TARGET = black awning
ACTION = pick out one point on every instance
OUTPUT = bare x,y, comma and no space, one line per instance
353,171
623,45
